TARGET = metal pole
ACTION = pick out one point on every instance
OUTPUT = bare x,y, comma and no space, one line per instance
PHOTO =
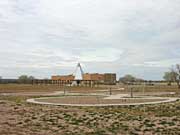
64,90
110,91
143,88
131,92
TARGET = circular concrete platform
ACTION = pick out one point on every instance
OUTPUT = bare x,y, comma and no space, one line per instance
94,100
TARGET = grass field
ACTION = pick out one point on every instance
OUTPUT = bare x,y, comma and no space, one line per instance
48,88
13,88
17,117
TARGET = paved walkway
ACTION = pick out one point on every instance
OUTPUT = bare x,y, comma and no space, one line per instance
118,96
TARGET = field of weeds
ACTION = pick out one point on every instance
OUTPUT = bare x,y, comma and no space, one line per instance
19,117
17,88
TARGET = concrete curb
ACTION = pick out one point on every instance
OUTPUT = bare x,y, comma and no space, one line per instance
167,100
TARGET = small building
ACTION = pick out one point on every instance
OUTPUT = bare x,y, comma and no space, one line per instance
93,77
63,78
110,78
107,78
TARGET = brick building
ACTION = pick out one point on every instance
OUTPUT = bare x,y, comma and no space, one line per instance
94,77
63,78
109,78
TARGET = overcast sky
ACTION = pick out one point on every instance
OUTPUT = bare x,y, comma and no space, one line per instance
48,37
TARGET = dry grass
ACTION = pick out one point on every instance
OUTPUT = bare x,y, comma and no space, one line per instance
47,88
14,88
154,88
20,118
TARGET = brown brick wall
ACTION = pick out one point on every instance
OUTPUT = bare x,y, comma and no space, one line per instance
95,77
63,78
110,78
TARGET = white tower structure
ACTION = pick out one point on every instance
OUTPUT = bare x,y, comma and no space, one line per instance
78,73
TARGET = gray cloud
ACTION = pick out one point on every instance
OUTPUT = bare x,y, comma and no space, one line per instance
43,37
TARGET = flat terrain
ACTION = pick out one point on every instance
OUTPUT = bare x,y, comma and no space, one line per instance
95,100
17,117
19,88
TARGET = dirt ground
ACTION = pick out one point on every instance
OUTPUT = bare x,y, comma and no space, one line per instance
94,100
17,117
19,88
20,118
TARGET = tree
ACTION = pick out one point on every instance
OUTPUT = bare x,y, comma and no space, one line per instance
31,77
127,79
0,79
25,79
169,77
176,74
